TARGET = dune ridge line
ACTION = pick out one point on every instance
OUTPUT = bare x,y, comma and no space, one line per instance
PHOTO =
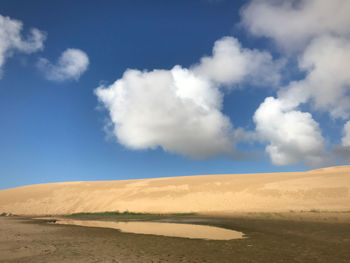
326,189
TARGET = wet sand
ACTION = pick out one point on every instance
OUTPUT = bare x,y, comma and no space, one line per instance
193,231
270,240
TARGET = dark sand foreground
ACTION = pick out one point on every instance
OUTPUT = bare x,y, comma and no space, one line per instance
271,238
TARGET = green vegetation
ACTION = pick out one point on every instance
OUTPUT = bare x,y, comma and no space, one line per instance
315,211
6,214
323,211
126,215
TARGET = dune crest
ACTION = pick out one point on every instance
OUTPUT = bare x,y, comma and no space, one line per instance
323,189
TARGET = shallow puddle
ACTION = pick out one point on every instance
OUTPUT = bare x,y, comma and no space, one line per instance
162,229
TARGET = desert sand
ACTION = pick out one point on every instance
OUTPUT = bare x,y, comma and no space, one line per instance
326,189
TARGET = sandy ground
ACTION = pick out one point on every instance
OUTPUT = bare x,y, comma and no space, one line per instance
23,240
323,189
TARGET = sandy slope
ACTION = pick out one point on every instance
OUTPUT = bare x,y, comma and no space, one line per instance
324,189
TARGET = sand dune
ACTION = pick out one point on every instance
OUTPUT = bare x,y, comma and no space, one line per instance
323,189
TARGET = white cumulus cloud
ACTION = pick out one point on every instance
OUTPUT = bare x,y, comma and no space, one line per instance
232,64
293,136
70,65
346,138
292,24
180,110
327,81
318,32
11,39
343,150
172,109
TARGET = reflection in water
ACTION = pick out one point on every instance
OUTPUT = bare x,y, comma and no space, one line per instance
162,229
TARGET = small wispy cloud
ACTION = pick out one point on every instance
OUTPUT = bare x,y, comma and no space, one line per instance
11,40
70,65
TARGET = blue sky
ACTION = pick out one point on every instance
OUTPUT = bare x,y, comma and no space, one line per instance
61,118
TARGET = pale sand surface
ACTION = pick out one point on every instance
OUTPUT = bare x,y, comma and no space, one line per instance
326,189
